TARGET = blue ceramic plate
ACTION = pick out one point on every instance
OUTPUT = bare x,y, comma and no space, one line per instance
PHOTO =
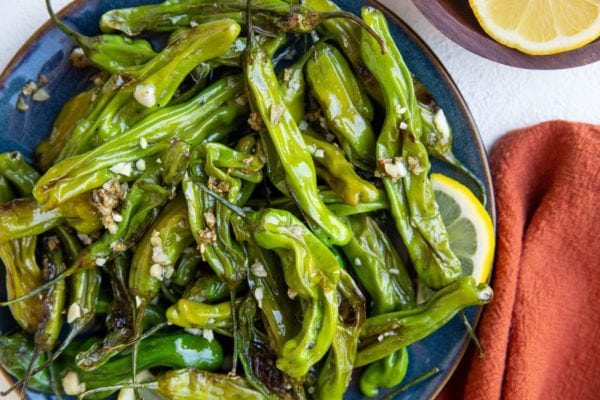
47,53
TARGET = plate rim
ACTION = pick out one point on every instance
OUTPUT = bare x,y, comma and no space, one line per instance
429,54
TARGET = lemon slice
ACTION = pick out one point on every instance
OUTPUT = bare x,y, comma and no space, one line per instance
469,226
470,230
539,26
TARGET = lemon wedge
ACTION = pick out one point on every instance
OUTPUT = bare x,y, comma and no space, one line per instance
540,27
469,226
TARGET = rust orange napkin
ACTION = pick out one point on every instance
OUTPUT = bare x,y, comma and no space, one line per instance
541,334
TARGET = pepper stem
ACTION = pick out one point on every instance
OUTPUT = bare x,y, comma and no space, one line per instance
473,335
61,25
114,388
412,383
235,209
40,288
354,18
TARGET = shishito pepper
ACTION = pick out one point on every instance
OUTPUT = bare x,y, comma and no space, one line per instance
387,333
404,164
22,276
331,166
24,217
130,96
72,111
23,273
378,266
108,52
348,36
258,359
438,137
208,116
383,274
174,350
190,384
159,250
21,175
336,374
312,272
277,309
171,15
300,174
346,107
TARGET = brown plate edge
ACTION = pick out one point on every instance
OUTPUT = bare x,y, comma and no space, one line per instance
481,44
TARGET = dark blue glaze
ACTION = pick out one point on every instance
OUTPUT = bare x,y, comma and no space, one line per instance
48,53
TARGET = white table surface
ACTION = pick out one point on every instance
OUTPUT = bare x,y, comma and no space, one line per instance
501,98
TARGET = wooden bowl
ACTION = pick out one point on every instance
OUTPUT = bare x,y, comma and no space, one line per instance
455,19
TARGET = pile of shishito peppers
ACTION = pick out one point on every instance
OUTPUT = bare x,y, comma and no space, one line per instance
199,215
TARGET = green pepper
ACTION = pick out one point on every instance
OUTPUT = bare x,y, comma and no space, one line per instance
173,350
52,306
190,384
208,116
234,174
258,359
73,110
336,374
387,372
382,272
188,314
22,276
437,138
276,307
171,15
387,333
24,217
347,36
340,175
54,299
293,87
346,107
300,174
311,271
130,96
119,321
16,170
84,289
159,250
208,288
378,266
108,52
404,164
186,267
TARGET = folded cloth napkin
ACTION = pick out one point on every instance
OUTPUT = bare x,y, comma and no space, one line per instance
541,333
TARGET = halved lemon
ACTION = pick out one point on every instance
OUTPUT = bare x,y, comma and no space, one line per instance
469,226
540,27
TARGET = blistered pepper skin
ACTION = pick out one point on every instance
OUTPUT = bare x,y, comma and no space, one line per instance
333,84
300,174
